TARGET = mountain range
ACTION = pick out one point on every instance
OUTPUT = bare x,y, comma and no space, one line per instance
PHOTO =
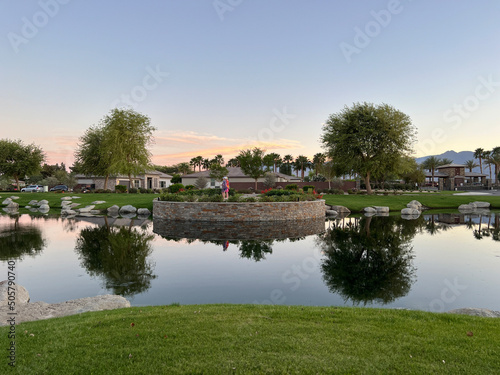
457,157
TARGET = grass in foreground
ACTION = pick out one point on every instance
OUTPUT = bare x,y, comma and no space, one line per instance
222,339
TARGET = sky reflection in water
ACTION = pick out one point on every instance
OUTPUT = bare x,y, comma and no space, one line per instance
436,263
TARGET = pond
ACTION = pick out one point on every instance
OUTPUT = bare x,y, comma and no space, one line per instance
438,262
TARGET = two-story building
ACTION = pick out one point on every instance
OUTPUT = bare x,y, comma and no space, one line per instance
455,177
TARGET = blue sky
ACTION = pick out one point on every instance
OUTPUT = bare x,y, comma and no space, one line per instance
218,76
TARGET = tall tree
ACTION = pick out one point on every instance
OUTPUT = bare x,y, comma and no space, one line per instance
183,168
18,160
479,154
368,138
233,162
91,156
471,164
302,162
318,160
494,159
128,134
431,163
251,163
268,161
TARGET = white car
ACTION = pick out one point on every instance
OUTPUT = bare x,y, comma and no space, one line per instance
33,189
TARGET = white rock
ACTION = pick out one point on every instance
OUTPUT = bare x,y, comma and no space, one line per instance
482,204
381,209
7,201
98,202
14,197
370,210
66,198
413,206
43,201
68,212
466,207
75,197
143,211
44,207
128,209
114,208
22,295
410,211
416,203
331,213
13,206
33,202
86,209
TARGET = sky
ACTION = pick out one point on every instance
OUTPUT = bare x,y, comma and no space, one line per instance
220,76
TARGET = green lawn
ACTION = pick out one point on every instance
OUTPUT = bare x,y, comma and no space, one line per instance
356,202
54,199
256,339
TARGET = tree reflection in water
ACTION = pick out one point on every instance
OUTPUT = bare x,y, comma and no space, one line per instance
19,239
119,256
370,261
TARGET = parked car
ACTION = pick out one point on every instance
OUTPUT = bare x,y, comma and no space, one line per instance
59,188
33,189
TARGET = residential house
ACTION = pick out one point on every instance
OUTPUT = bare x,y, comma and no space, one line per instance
455,177
147,180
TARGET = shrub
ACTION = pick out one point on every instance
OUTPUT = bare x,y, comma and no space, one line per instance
189,187
249,199
175,188
149,191
120,188
210,198
291,187
269,180
143,190
201,182
176,179
172,197
133,190
279,192
308,188
234,198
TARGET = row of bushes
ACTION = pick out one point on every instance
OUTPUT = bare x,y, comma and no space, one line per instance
173,197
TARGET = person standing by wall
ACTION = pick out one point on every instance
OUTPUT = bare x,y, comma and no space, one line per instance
225,188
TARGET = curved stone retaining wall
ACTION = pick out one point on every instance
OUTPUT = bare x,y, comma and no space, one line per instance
248,230
238,211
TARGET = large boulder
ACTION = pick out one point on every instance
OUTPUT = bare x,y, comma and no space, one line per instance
7,201
128,209
481,204
416,203
466,207
44,208
13,206
370,210
14,197
410,211
381,209
341,209
33,202
114,208
22,295
331,213
143,212
86,210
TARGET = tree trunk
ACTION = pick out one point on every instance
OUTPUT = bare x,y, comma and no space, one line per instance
106,182
16,177
130,182
367,183
256,185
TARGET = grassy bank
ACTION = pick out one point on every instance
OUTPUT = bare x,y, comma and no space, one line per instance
54,199
444,200
225,339
355,202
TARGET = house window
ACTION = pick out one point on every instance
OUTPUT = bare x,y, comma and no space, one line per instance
163,184
212,182
137,183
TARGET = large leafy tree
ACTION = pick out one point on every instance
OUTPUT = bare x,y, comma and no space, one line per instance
251,163
91,156
128,135
18,160
368,139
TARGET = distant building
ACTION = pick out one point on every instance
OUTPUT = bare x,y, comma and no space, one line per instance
147,180
235,176
455,177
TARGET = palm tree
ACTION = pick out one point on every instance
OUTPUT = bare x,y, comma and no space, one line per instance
205,163
445,161
276,158
183,168
318,160
479,154
234,162
494,159
471,164
218,159
431,163
302,162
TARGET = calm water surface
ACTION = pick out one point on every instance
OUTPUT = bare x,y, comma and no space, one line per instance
437,262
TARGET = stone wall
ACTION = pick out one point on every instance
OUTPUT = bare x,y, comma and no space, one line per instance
249,230
236,211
